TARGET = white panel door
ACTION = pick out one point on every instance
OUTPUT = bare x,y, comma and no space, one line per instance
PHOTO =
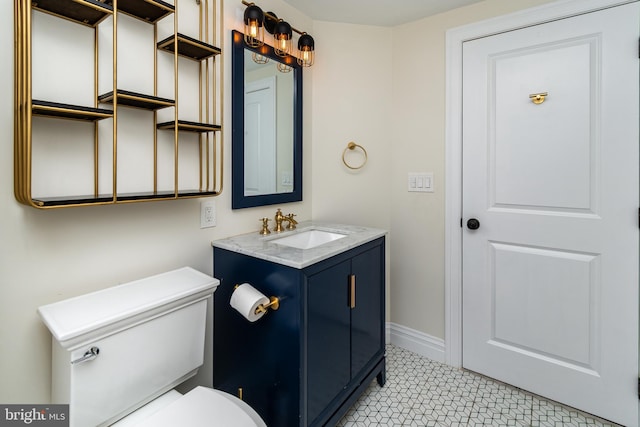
550,276
260,137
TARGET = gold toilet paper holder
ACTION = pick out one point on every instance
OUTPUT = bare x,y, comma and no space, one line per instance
273,304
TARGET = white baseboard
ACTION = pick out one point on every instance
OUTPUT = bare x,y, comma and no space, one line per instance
416,341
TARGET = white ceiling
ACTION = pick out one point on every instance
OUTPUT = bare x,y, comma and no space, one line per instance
386,13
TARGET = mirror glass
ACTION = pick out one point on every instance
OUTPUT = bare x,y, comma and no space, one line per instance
266,126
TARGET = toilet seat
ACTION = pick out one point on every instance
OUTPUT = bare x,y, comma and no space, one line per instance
204,407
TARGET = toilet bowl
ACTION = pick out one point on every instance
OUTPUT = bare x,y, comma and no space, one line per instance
118,353
201,407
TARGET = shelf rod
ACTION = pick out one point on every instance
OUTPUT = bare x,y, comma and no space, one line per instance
155,112
96,161
175,78
200,137
28,95
220,96
115,102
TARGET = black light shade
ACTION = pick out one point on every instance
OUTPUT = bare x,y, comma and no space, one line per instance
253,29
282,35
253,13
306,47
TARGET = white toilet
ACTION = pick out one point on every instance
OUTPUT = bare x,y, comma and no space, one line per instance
118,353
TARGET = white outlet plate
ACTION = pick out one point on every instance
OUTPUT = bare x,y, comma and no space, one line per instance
207,214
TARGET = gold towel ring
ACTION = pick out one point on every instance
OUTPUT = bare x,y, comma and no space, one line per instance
352,146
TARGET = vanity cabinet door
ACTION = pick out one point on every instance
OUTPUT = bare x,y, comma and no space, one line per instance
328,337
345,333
367,315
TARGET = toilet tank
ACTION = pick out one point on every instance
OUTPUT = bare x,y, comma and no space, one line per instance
150,337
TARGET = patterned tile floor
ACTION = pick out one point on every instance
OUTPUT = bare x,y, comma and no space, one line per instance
421,392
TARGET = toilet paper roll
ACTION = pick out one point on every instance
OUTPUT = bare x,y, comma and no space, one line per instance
245,299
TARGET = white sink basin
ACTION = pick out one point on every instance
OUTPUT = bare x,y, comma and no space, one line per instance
308,239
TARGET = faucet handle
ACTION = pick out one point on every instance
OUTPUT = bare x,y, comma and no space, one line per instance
265,226
291,222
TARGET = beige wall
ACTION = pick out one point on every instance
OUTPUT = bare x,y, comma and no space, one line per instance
382,88
351,102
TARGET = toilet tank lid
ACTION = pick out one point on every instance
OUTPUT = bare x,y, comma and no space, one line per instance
72,318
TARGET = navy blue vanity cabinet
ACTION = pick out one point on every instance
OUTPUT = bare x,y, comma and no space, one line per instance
306,363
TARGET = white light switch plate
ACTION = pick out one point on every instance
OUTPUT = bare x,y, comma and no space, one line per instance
421,182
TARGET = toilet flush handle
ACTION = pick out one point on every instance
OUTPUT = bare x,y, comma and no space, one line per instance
90,354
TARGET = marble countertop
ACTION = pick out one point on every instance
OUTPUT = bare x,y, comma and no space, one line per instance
263,247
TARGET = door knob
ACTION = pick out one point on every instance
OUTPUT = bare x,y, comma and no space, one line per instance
473,224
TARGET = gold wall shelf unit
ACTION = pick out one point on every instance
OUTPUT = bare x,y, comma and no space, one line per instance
205,160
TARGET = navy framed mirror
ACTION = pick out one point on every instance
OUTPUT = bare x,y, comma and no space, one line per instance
266,147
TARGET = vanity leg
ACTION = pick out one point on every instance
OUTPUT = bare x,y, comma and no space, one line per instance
382,375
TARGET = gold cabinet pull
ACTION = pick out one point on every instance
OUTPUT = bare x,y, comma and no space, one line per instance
538,98
352,291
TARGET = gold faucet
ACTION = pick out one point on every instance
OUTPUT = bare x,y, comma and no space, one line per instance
279,218
291,222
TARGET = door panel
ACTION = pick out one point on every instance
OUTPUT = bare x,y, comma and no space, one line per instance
559,329
519,129
550,279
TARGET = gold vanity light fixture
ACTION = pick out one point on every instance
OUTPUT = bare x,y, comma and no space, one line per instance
282,35
256,20
306,47
253,25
